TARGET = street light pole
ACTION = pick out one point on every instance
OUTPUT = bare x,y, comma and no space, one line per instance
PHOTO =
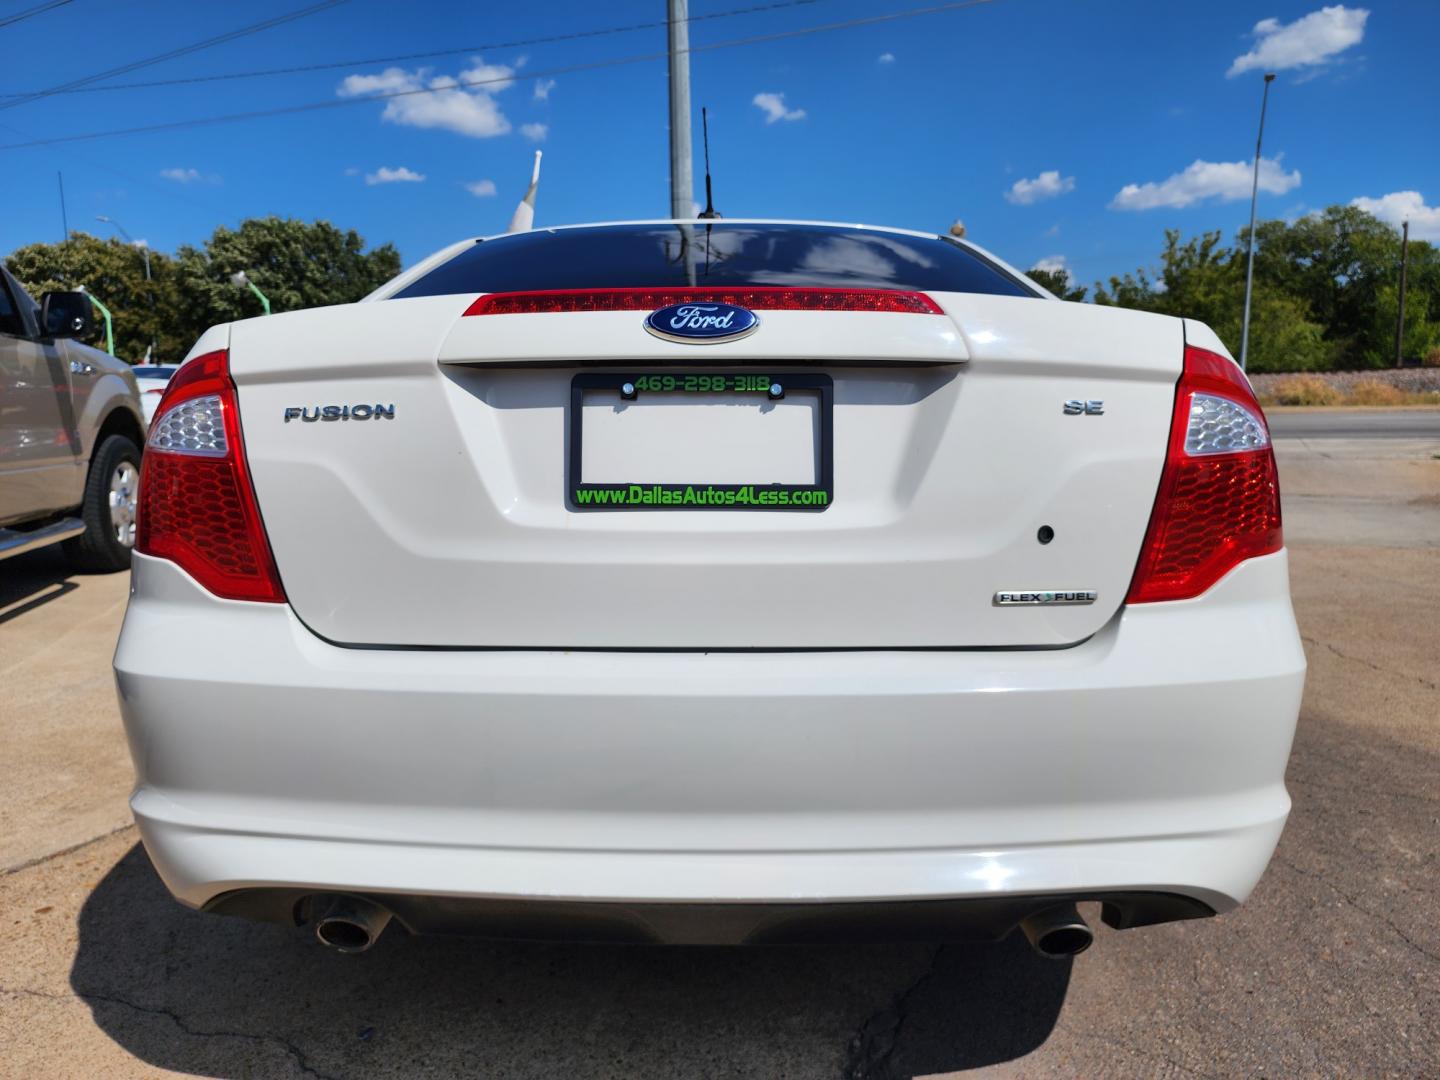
144,250
139,245
682,184
1250,256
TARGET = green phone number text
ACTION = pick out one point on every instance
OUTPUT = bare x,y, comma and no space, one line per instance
703,384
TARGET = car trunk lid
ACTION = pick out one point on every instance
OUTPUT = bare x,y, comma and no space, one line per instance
447,517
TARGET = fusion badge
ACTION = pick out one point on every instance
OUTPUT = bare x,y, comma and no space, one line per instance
695,323
1045,596
361,411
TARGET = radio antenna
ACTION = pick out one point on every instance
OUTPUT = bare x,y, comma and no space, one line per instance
709,211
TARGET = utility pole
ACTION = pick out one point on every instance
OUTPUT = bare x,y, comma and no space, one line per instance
64,221
1400,319
1250,256
682,184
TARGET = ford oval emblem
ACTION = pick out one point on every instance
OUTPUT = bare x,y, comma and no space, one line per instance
697,322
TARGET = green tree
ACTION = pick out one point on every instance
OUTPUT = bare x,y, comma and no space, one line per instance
1058,282
1281,337
144,312
1335,263
1422,287
296,264
1197,279
1131,291
1324,295
1421,335
1202,279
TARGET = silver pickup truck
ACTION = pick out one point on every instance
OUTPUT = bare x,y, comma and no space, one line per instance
71,429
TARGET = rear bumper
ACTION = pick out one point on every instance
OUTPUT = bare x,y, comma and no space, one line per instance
1147,759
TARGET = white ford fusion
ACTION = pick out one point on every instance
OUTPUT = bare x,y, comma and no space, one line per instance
710,581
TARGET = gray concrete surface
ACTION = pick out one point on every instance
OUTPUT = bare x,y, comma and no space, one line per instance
1331,969
1379,492
66,770
1354,423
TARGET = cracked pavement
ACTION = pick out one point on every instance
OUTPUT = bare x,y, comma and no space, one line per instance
1332,968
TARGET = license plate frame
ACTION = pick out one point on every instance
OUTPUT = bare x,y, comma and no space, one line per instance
641,495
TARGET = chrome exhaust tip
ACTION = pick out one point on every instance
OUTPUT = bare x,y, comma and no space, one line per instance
1057,933
349,924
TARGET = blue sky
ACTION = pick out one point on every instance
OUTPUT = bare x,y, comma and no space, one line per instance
1056,130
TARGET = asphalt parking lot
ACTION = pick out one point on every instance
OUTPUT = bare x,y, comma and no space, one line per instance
1331,969
1366,423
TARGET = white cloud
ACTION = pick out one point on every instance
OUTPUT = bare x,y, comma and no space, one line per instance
1056,264
543,88
1225,181
1401,206
886,58
535,132
481,188
386,175
465,104
1047,185
773,106
1312,39
189,176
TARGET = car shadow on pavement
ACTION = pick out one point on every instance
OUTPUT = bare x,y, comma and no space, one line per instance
226,997
31,580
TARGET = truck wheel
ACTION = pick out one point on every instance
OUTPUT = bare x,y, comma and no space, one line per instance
109,508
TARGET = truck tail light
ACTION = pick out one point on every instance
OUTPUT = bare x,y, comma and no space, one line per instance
197,505
1219,497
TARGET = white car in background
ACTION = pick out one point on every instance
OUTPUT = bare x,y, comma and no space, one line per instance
710,581
153,378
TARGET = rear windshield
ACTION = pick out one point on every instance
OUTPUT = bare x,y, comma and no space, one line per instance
713,253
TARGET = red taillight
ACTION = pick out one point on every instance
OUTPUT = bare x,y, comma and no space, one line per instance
756,297
197,506
1219,498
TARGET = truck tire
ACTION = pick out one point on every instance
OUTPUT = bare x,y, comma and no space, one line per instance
109,508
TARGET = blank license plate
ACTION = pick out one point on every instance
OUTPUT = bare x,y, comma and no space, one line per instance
711,441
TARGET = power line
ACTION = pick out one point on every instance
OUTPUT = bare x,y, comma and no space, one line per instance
172,191
332,65
38,9
172,54
469,84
